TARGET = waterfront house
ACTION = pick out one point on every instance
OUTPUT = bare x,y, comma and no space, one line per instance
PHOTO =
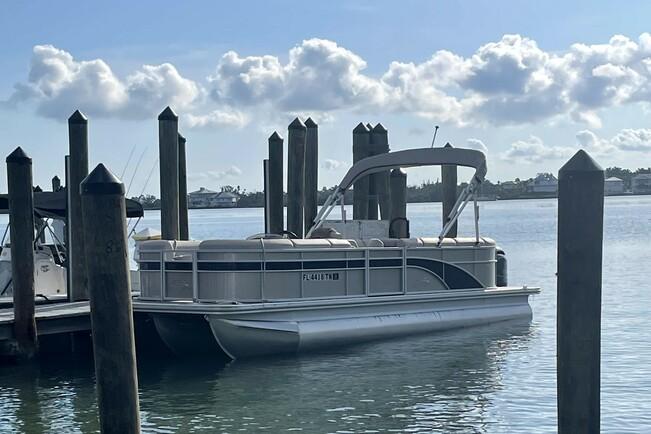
205,198
613,186
641,184
544,183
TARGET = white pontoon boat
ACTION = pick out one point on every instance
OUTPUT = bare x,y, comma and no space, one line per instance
276,295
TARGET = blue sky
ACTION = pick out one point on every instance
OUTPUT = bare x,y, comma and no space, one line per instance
528,82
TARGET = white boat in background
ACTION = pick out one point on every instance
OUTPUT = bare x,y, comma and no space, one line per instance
272,295
50,252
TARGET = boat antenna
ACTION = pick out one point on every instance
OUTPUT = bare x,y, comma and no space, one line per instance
128,161
436,129
135,170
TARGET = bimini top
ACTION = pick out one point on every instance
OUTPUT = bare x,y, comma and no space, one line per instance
415,158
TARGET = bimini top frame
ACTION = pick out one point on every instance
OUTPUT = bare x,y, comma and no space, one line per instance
413,158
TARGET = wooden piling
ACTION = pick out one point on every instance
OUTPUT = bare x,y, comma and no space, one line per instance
399,226
380,143
56,183
296,176
449,193
578,325
78,140
21,223
276,217
361,143
267,205
311,171
168,148
104,216
184,229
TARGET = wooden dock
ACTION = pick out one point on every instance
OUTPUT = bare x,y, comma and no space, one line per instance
51,319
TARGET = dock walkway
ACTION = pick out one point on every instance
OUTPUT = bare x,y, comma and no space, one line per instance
51,319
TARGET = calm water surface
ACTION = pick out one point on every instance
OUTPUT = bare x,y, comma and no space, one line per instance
496,379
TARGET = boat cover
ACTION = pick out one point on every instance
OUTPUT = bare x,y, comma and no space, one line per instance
52,204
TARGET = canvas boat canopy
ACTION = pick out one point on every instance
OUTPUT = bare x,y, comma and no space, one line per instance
49,204
416,158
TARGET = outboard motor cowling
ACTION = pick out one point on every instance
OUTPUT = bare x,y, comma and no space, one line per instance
501,269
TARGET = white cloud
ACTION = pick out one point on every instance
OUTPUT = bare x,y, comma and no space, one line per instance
59,84
509,81
330,164
320,75
217,118
533,150
215,176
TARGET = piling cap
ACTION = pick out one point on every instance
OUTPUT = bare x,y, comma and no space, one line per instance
77,118
296,124
18,156
168,115
360,129
580,162
275,137
181,138
309,123
448,145
101,182
379,128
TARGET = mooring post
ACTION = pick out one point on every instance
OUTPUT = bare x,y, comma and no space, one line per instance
380,141
296,176
168,149
56,183
21,223
267,205
399,226
578,324
104,215
276,217
311,171
372,213
78,137
184,229
449,193
361,143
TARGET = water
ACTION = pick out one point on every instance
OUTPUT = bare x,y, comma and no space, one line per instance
496,379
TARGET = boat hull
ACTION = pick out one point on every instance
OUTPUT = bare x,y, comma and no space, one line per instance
250,330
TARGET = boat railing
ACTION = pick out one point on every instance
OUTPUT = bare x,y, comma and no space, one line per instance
254,275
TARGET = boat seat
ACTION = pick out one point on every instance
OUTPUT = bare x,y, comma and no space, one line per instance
316,243
371,242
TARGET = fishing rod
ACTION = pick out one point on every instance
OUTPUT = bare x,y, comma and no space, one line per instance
135,170
436,129
124,170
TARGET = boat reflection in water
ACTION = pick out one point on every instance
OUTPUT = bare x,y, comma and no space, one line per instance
420,383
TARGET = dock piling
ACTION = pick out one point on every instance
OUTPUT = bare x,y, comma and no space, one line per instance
168,149
104,214
449,193
21,222
399,225
361,143
311,171
184,229
296,176
579,262
56,183
380,141
276,217
78,140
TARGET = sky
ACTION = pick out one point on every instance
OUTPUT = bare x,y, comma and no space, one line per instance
529,83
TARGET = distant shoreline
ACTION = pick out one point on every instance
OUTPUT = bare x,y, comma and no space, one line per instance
524,197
